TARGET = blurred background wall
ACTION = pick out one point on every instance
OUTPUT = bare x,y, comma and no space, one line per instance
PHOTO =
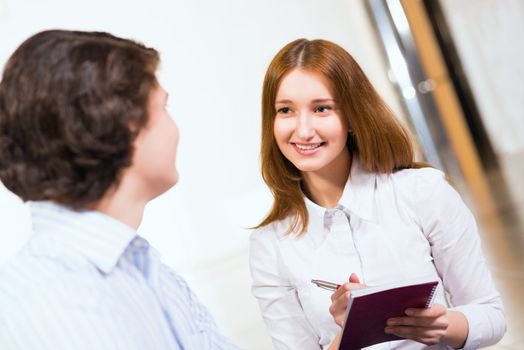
214,55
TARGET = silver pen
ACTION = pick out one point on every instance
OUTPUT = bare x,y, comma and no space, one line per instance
326,285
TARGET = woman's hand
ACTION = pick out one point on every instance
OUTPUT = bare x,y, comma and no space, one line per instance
339,299
431,326
425,326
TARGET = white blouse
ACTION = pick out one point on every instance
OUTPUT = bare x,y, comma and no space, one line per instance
385,228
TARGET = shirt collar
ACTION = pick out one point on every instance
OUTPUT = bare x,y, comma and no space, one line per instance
357,197
359,193
314,208
97,236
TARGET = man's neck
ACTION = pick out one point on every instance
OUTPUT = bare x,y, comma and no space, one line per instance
122,208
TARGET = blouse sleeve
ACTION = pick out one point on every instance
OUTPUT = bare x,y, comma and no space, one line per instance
281,310
455,244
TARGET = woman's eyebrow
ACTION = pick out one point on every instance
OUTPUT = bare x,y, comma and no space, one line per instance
320,100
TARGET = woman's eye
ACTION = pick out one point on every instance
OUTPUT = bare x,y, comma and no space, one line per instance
283,110
322,109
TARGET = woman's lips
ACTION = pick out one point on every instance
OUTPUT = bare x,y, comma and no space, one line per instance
307,148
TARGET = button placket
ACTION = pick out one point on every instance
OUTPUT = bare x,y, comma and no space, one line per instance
339,233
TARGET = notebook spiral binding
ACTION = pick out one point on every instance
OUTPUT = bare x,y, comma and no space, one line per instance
431,296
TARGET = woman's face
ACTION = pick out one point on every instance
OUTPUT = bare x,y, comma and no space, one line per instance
308,127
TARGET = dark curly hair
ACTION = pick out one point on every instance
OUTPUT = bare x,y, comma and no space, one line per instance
71,104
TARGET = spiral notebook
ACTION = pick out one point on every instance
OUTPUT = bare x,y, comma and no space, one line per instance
369,308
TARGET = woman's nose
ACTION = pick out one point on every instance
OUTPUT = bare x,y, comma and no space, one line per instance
305,127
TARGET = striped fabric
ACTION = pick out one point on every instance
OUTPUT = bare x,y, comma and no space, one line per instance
87,281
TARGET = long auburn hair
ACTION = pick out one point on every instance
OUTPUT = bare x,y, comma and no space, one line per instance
382,144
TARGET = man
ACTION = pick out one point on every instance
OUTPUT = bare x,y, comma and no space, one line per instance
86,139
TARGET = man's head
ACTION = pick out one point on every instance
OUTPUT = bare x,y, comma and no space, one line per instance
71,106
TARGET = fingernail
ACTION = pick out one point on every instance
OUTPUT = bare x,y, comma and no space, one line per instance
409,312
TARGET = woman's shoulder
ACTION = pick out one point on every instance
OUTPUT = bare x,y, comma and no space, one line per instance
417,185
418,178
265,243
419,174
275,230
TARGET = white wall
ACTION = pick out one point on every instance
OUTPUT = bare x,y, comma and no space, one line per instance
214,54
488,36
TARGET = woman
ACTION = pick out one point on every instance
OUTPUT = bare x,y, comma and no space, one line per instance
349,199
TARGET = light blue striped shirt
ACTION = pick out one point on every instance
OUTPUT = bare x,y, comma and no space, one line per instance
87,281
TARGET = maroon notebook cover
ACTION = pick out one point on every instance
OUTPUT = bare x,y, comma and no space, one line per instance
368,314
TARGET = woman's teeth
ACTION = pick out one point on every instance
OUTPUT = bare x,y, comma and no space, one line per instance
308,147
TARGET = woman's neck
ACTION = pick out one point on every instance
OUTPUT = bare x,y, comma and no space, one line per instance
325,187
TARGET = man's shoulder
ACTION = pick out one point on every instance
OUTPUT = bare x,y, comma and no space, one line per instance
17,281
35,273
171,277
20,276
